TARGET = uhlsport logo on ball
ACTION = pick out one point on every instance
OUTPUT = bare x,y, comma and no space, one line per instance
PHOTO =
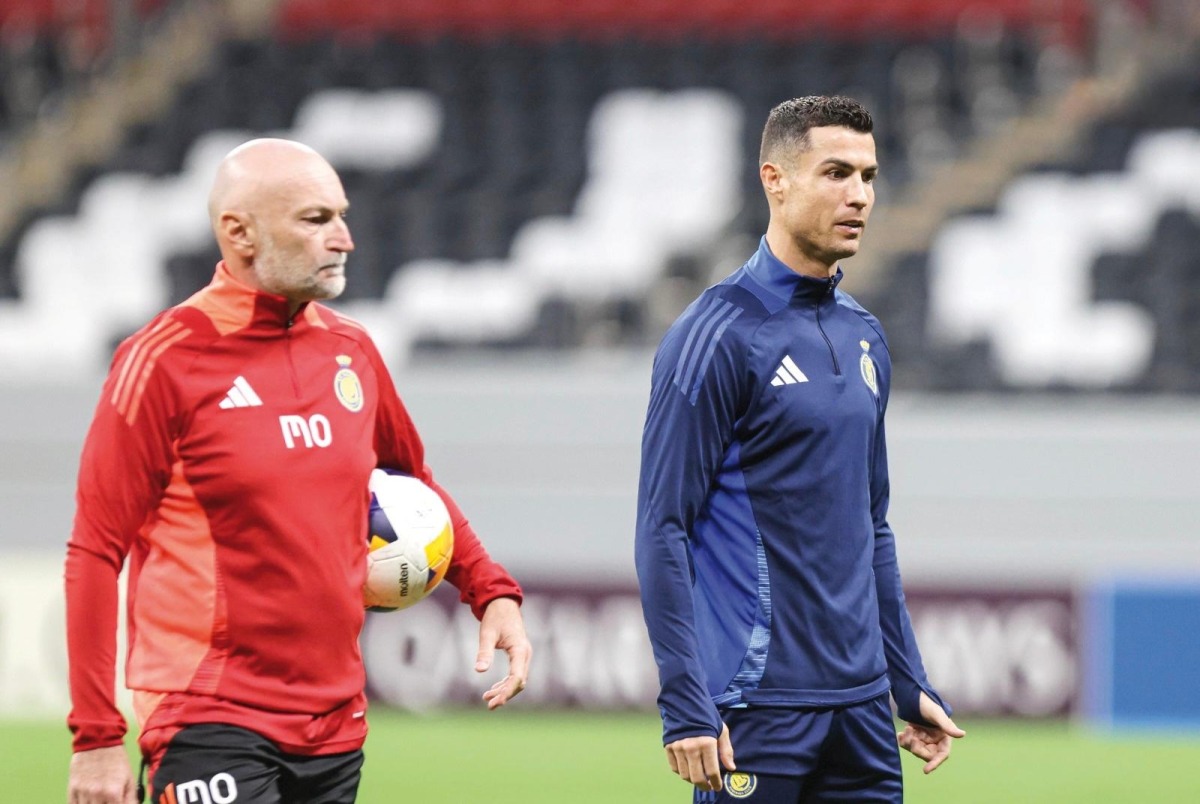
410,540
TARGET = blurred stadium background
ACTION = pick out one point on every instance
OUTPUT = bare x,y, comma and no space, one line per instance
539,187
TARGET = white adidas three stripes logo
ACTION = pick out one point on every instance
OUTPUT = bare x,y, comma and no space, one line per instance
241,395
788,373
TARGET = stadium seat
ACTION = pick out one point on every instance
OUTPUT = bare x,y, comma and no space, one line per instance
475,145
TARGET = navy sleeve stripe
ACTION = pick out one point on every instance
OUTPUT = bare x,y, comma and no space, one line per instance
702,322
712,347
700,345
701,327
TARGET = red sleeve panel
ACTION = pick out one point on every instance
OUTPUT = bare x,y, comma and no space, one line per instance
123,470
91,585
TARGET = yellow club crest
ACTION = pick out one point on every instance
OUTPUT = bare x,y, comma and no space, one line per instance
346,386
740,785
866,367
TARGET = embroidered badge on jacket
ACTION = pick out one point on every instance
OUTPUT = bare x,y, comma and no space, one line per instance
347,387
866,367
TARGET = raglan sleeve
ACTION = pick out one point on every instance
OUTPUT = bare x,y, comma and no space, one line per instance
696,390
478,578
124,467
906,671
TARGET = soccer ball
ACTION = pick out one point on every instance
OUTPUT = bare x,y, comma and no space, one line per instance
410,540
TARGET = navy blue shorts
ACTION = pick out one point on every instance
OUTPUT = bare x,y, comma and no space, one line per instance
806,756
215,764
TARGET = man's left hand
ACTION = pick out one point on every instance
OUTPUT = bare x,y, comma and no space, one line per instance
502,627
930,744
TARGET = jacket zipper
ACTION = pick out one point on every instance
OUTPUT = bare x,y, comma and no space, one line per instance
287,335
837,368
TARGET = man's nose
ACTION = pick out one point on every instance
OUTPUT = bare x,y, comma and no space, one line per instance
858,195
341,239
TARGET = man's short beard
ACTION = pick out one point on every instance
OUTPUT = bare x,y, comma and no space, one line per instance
274,277
326,292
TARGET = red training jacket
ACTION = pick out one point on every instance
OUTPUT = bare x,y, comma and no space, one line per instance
228,458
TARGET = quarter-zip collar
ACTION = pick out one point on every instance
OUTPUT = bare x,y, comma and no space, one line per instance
233,305
784,283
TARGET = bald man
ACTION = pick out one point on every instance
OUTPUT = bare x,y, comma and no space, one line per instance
228,461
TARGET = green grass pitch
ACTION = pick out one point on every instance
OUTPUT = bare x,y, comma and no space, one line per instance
524,757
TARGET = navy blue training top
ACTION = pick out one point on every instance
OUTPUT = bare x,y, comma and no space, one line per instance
767,567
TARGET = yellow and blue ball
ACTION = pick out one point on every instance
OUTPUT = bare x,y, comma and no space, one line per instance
410,539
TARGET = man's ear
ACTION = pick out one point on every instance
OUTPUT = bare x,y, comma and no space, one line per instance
772,179
237,230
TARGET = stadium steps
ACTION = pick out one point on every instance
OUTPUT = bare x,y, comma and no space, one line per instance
1115,225
1049,133
46,160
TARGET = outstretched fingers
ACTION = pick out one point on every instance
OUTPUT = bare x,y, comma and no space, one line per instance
502,627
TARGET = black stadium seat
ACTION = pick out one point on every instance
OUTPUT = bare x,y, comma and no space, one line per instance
517,100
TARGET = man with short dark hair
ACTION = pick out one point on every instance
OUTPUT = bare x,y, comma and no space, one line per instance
247,548
768,570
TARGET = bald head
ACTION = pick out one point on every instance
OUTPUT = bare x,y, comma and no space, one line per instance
257,171
277,209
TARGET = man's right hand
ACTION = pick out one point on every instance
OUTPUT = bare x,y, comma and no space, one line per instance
101,776
699,760
931,744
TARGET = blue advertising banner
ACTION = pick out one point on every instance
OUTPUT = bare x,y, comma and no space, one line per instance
1143,654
